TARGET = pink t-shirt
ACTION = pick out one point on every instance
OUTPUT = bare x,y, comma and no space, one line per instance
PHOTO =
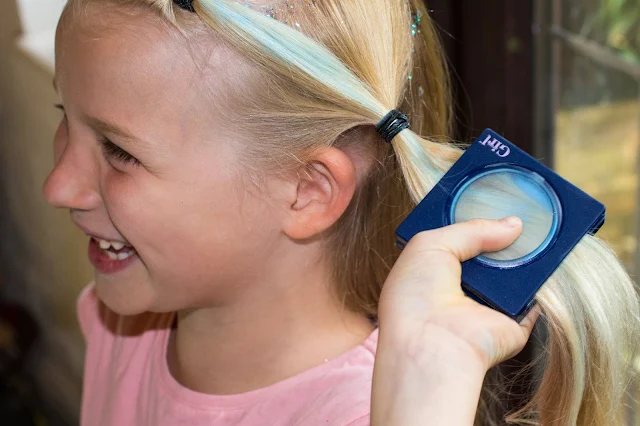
127,381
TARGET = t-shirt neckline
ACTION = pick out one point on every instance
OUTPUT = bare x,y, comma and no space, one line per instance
214,402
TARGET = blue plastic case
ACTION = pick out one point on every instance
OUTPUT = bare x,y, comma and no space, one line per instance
508,286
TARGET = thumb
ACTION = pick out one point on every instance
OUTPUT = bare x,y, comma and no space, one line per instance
434,257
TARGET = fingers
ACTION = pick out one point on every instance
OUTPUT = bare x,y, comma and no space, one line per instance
432,258
447,247
529,321
526,328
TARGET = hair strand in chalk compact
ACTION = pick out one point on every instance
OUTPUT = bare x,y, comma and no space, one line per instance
494,179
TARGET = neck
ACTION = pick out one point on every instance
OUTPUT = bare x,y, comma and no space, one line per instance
270,335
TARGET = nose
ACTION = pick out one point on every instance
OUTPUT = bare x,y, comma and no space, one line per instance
73,182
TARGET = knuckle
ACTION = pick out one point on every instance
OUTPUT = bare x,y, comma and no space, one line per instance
440,256
425,240
482,224
452,244
432,247
439,252
449,262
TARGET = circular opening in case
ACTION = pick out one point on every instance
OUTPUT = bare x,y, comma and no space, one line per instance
508,191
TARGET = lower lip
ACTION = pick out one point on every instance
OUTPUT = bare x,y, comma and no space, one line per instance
100,260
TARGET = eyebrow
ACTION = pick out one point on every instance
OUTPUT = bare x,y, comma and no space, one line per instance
108,127
105,126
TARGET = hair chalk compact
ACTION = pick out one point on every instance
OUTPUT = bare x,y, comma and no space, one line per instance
494,179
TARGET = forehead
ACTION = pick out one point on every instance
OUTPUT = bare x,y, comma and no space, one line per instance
133,61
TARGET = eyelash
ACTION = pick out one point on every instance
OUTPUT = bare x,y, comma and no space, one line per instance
109,149
61,108
113,151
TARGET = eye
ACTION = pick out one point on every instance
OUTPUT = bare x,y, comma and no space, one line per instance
61,108
112,151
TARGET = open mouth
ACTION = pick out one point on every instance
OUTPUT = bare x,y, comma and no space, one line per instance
114,250
111,256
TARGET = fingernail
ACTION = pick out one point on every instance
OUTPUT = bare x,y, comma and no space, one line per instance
511,221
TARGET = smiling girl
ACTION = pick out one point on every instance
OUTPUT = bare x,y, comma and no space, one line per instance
223,160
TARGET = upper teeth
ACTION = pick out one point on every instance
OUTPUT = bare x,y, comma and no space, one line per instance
116,245
105,245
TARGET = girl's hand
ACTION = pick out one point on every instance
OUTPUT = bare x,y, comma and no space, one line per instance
436,344
423,298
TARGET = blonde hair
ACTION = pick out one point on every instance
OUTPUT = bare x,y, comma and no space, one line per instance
332,72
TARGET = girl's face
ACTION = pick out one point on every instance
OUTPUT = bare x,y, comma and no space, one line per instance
143,158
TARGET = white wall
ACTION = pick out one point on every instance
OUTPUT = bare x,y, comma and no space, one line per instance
42,257
37,15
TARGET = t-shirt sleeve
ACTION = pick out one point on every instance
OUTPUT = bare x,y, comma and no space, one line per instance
87,310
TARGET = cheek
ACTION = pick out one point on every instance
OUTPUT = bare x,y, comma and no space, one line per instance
124,204
164,219
192,233
214,222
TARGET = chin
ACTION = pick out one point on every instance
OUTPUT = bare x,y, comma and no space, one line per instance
123,296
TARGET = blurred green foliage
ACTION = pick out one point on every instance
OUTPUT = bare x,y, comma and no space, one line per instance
619,22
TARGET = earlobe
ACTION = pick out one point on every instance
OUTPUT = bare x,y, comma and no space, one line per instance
325,188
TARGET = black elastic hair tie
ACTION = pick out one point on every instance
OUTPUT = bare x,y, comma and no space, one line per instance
185,4
392,124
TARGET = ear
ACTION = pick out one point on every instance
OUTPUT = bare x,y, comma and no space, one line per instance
324,190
